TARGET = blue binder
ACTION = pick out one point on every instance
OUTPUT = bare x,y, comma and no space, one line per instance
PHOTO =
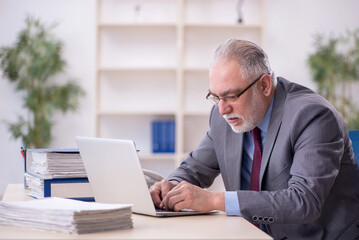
50,150
155,137
171,136
163,136
49,183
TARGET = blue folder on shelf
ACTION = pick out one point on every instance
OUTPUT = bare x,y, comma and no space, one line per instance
163,136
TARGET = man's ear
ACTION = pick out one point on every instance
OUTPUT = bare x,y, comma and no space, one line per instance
266,84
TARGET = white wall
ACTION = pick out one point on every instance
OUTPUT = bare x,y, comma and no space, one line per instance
288,34
77,31
290,28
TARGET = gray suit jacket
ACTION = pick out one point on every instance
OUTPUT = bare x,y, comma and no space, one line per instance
309,177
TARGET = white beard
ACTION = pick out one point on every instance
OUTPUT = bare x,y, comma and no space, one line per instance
256,112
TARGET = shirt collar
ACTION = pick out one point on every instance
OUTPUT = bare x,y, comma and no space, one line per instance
263,125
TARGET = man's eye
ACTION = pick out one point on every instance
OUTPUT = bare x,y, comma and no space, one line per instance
231,97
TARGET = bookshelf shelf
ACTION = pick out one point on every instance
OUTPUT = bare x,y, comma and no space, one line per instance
153,58
197,113
144,112
196,69
224,25
137,25
136,69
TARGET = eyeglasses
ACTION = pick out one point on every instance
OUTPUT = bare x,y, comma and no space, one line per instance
215,99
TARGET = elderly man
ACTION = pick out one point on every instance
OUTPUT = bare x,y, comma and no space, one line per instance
283,151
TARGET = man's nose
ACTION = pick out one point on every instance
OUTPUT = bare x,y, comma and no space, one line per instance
224,107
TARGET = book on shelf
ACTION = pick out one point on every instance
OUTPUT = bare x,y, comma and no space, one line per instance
66,215
56,173
163,136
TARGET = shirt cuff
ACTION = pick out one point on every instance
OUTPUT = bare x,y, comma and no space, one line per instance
174,180
232,204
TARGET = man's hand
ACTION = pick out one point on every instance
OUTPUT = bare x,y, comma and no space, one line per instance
186,195
159,190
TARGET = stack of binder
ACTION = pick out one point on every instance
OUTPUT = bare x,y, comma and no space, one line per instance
55,163
56,173
65,215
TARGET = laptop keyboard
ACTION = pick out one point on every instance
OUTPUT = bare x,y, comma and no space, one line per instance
164,211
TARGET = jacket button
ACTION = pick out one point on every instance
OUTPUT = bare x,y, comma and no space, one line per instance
271,219
255,218
260,218
265,219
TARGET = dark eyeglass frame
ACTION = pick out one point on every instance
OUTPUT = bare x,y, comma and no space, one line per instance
215,99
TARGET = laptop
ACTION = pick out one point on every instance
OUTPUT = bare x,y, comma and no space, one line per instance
115,175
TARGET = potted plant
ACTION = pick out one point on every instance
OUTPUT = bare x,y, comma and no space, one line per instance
31,63
335,66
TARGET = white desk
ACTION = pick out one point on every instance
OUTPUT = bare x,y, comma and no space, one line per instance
217,226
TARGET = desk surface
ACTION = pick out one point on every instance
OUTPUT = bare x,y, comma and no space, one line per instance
217,226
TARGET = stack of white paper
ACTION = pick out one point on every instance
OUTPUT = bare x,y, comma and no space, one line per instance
56,165
66,215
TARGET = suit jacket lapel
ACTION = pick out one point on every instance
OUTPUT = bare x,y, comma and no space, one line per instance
273,128
233,158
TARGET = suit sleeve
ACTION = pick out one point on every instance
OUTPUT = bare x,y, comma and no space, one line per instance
316,140
200,167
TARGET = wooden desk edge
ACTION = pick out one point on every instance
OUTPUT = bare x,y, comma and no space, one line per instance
146,227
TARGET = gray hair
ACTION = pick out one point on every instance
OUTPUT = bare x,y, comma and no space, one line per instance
252,60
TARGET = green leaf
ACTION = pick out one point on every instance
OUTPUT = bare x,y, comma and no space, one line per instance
32,63
334,65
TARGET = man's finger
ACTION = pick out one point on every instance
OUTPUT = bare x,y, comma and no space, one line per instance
156,195
174,200
165,201
166,187
179,206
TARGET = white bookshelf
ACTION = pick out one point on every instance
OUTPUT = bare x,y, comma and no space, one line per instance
152,64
